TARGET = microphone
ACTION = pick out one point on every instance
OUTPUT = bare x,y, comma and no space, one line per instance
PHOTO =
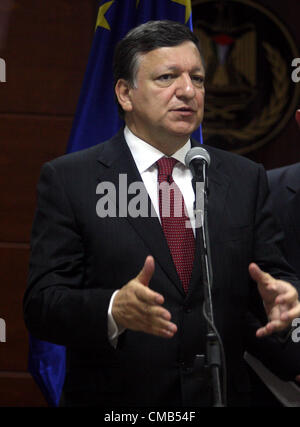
197,160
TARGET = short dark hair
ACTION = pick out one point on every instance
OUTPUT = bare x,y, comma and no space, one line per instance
143,39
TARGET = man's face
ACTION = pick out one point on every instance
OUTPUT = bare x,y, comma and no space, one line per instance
168,100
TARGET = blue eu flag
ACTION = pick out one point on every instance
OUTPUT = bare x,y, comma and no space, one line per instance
96,120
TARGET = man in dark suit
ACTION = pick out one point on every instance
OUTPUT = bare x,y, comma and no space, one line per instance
124,291
285,192
284,186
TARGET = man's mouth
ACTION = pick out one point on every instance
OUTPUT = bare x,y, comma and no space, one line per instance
184,111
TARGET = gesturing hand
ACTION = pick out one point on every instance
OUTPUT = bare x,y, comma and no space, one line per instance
280,300
139,308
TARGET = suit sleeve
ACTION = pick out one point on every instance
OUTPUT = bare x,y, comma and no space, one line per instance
57,306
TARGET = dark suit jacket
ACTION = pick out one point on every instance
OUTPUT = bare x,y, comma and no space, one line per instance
79,259
285,192
284,185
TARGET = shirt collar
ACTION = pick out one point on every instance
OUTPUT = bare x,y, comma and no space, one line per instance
145,155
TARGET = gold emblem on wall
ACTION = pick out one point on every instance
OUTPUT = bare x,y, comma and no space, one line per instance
247,52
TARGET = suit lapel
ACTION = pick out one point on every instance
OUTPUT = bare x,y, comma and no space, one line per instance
115,159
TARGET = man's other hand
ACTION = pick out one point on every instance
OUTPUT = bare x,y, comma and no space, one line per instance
280,300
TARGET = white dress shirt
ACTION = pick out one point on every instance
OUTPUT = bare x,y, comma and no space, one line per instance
145,157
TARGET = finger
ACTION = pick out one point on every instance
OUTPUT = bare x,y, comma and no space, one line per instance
288,316
270,328
160,327
262,332
288,294
129,312
147,295
161,332
152,314
258,275
153,320
147,271
167,333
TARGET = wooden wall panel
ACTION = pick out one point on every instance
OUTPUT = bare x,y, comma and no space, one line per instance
14,267
46,49
17,389
27,142
46,52
283,150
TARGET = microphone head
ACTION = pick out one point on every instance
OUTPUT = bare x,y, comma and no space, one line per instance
197,153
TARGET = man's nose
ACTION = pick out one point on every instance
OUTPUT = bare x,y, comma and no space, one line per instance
185,87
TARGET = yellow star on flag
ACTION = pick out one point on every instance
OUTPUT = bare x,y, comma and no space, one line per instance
188,8
101,20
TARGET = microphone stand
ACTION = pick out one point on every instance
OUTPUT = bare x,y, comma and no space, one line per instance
213,347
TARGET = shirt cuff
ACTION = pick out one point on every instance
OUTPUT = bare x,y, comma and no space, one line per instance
112,328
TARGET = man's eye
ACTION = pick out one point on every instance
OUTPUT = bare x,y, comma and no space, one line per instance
165,77
198,80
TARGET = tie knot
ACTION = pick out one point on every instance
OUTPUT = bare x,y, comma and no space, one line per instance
166,165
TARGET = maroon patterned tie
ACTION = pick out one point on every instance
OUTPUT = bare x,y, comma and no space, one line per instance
175,223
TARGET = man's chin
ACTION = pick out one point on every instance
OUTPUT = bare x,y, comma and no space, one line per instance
184,131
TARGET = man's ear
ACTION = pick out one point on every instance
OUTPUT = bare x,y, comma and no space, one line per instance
122,90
